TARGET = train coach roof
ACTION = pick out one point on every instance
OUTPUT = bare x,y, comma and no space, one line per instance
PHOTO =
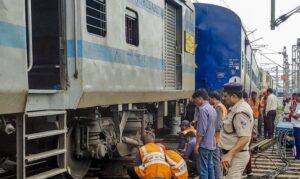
219,11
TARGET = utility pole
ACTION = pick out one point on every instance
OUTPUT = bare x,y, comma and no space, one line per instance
282,18
294,68
276,69
272,14
286,69
298,64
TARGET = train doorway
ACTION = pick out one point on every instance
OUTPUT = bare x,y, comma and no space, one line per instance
172,46
46,44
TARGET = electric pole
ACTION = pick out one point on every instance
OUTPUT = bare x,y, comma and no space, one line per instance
286,70
298,64
276,69
282,18
272,14
294,69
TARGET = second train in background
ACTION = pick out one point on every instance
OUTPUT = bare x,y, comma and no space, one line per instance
224,53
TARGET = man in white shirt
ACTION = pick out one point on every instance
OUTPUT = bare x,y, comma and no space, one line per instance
296,114
296,124
270,113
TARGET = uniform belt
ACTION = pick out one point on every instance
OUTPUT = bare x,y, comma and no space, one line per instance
226,151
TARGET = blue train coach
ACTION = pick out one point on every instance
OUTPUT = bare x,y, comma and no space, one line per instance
223,52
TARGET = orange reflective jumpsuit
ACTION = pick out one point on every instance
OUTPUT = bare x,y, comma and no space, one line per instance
177,164
154,163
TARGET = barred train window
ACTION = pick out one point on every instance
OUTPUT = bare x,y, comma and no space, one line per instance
96,17
131,27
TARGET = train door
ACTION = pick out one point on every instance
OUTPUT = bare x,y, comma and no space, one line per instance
172,46
46,44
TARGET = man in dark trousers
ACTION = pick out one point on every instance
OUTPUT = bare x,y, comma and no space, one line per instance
270,113
215,101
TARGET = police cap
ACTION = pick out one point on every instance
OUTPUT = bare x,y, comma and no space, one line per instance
233,87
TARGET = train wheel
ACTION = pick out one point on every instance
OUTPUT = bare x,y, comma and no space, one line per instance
77,167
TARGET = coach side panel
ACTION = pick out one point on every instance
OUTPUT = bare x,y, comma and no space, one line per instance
13,57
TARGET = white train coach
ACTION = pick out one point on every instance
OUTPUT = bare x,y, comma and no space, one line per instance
83,79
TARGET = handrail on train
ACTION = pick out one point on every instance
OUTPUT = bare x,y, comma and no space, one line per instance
29,25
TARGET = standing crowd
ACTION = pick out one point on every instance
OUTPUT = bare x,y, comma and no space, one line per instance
215,142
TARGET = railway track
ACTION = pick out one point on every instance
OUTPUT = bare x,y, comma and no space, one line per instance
270,160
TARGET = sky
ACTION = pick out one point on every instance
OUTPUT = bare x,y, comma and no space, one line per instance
255,14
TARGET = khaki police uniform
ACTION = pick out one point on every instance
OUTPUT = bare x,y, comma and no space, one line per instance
243,124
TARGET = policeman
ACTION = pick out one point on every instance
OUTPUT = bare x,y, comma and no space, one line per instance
236,132
152,162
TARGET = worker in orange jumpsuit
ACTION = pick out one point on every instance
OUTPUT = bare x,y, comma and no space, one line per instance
254,104
152,162
263,104
176,162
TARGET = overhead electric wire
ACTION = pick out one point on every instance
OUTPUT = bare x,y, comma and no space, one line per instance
270,59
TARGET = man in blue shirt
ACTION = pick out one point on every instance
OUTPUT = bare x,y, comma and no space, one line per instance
205,140
185,128
189,152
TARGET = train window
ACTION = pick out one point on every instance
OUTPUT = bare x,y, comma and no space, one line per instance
131,27
96,17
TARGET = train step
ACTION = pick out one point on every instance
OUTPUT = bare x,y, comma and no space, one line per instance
48,174
50,153
24,135
45,113
44,134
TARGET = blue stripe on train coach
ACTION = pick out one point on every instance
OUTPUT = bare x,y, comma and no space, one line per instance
12,35
113,55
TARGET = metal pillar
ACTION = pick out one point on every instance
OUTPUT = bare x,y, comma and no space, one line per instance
20,147
160,115
272,14
251,75
293,74
286,69
298,64
276,87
